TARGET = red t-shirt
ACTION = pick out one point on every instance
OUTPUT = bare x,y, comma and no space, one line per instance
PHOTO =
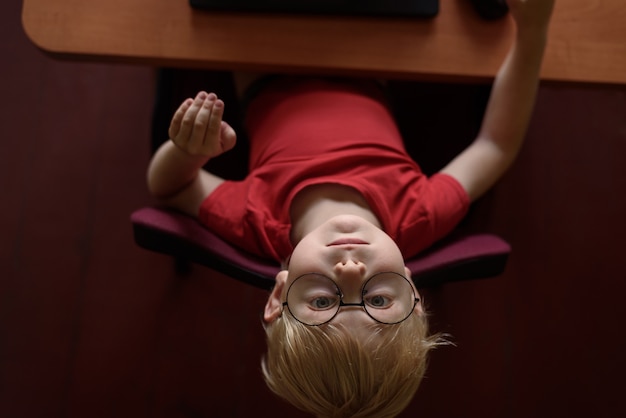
312,131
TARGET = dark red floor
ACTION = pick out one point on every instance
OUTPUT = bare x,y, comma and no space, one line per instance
92,326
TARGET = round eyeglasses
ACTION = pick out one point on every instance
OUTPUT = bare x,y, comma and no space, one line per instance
387,297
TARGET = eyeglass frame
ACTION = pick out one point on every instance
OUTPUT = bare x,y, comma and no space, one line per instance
416,300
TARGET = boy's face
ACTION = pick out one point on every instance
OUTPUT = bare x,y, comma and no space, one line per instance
349,250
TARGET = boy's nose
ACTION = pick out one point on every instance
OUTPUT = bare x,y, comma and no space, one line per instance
350,268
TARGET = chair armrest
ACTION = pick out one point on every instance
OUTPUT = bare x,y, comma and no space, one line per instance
167,231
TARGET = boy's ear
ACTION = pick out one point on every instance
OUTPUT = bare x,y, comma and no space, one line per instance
407,273
419,308
274,305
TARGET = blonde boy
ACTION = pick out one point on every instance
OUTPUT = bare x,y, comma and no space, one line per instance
332,191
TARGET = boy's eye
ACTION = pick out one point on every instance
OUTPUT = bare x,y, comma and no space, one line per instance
378,301
322,302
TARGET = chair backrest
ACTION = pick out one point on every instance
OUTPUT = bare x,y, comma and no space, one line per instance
163,230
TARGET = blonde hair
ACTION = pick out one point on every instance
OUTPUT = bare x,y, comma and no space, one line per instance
328,372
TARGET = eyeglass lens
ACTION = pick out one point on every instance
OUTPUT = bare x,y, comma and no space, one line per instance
315,299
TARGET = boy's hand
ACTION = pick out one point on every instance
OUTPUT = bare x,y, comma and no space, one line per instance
197,127
531,15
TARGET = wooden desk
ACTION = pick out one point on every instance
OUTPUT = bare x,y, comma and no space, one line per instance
587,40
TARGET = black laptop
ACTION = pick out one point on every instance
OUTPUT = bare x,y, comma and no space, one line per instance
396,8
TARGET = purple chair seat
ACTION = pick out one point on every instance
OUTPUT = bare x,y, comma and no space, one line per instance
163,230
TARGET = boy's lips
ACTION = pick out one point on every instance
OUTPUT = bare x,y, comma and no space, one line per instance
348,241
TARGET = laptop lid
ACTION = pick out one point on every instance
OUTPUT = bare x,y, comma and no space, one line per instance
395,8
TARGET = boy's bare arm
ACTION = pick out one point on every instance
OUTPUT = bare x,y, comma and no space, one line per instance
511,102
197,134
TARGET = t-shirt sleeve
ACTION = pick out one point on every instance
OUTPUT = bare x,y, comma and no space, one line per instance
448,203
436,207
224,209
234,213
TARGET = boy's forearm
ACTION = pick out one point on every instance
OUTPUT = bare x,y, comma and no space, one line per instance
171,170
513,94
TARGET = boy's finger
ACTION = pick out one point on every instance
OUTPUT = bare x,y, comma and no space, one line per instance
177,119
201,123
189,117
228,136
215,124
